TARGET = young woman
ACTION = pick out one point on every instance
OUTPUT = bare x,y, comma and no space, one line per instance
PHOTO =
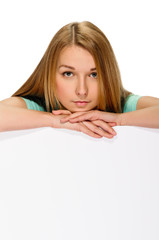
77,85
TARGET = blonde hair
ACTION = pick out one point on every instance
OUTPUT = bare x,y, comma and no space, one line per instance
41,83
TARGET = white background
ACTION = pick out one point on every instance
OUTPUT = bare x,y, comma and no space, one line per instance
57,184
27,27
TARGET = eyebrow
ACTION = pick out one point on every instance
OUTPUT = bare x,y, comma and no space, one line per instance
66,66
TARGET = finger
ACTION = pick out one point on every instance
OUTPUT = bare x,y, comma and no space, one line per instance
92,115
98,130
59,112
113,124
83,128
73,115
105,126
81,116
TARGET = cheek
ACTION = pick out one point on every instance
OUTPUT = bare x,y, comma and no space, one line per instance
94,89
60,89
63,90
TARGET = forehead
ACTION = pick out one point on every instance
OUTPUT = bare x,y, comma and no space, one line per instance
76,56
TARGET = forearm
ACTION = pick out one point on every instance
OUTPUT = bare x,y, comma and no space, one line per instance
12,118
147,117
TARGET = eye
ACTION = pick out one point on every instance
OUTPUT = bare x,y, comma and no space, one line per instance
67,74
93,75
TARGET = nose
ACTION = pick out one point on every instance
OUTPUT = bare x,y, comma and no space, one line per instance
81,89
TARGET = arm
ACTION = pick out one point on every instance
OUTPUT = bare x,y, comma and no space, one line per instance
146,114
14,115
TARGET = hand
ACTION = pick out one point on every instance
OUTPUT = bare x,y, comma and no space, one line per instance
97,128
113,119
59,114
99,118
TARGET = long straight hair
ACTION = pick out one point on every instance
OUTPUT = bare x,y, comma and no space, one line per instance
42,82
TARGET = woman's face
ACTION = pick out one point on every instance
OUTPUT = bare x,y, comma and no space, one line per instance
76,79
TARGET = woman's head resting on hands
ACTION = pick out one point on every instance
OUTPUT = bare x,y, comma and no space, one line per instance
78,72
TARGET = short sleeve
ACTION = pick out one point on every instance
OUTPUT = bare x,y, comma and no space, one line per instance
33,105
131,102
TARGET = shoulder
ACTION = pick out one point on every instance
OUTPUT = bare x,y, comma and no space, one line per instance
136,102
14,102
23,102
147,101
34,103
131,103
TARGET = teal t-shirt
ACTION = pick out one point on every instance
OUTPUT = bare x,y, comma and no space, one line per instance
33,105
130,104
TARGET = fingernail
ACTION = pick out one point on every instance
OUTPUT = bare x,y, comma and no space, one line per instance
112,131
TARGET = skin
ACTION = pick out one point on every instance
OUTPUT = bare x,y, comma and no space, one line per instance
76,79
78,83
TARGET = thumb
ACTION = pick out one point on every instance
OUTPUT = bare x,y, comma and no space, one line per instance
59,112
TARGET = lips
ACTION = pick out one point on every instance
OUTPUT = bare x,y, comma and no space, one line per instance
81,103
